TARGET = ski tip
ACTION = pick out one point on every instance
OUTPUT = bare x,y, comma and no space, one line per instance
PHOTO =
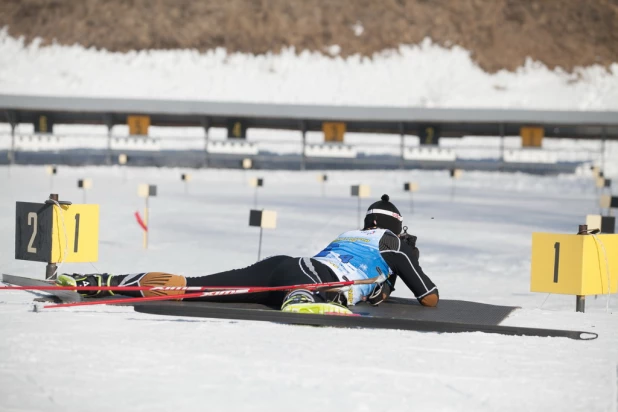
588,335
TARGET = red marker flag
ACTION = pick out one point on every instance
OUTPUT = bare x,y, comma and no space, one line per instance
140,221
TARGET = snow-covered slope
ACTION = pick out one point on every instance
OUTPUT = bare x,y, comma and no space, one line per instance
425,75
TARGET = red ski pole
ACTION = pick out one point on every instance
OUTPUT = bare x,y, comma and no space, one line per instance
174,288
221,291
152,298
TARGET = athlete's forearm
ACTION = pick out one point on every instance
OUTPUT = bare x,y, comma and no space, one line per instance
404,263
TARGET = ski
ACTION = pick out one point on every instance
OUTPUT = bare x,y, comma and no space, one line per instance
67,295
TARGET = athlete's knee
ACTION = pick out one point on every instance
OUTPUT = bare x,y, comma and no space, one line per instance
156,279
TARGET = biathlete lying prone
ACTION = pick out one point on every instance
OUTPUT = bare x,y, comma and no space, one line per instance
379,251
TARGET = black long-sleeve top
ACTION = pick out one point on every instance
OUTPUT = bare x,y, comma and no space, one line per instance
402,258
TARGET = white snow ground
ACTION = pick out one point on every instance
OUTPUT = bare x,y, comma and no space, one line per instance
475,247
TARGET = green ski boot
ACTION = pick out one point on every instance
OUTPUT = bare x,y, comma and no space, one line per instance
92,279
303,301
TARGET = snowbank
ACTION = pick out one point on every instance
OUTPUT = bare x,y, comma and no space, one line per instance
424,75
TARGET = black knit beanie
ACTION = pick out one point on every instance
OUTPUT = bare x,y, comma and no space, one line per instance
385,214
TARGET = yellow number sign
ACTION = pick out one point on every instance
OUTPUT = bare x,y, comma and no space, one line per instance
237,129
429,132
333,131
43,124
47,233
531,136
574,264
138,125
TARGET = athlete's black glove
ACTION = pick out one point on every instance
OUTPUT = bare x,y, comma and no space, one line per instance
409,239
380,293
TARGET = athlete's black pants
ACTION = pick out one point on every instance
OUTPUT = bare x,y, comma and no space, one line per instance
272,271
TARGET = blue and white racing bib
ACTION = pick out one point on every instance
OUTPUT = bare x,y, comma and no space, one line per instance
355,255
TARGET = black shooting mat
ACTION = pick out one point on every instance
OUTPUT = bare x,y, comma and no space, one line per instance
454,311
458,311
218,311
